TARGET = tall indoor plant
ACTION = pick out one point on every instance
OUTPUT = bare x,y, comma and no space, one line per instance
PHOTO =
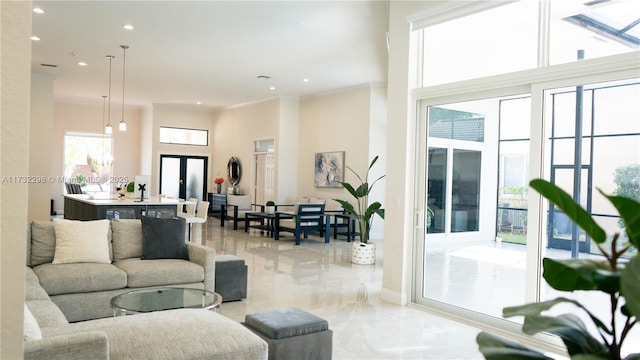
614,276
362,210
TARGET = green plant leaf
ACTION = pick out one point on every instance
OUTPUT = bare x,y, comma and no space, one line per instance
363,190
569,328
495,347
630,286
629,211
534,309
574,211
570,274
346,206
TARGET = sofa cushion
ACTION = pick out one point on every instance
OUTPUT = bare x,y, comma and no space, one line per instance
32,288
81,241
79,278
43,242
201,334
126,237
31,327
163,238
142,273
46,313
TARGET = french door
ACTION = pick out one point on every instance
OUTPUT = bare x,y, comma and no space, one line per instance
183,176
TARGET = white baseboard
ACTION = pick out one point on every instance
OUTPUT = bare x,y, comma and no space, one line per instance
393,297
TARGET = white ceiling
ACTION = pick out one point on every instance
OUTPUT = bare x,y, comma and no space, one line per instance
209,51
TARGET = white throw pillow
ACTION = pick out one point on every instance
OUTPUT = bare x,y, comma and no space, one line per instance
81,241
31,327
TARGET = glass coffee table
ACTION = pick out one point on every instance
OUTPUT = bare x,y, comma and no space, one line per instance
159,299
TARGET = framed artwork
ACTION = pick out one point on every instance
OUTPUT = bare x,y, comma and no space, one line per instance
329,169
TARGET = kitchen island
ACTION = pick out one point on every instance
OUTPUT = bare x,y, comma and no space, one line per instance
103,206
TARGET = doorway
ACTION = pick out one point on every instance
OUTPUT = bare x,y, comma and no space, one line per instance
264,181
184,176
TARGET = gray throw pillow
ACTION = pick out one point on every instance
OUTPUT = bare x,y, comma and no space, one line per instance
163,238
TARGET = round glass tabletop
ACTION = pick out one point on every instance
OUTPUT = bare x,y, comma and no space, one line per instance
159,299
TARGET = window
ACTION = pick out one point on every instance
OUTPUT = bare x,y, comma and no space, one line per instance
597,28
88,161
477,45
171,135
531,130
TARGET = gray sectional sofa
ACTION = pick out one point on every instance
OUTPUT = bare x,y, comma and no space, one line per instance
69,304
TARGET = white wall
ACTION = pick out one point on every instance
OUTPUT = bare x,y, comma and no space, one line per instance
378,147
185,116
15,29
399,211
41,120
235,130
338,121
287,144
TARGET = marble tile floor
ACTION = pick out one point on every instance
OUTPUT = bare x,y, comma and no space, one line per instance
321,279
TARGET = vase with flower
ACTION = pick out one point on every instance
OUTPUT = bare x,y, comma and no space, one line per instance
219,182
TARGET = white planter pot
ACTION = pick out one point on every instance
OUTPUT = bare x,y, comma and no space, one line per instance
270,209
364,254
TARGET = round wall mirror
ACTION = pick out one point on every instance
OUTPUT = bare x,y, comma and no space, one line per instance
234,171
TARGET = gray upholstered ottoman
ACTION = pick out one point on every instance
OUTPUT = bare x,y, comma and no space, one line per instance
293,334
231,277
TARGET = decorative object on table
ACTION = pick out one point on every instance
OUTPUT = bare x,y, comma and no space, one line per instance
618,279
329,169
234,171
130,188
364,214
142,180
270,207
219,181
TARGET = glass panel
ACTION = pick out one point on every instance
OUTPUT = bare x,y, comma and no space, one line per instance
436,189
465,193
477,45
170,177
453,124
169,135
195,178
563,151
262,146
600,29
614,155
514,118
618,110
564,112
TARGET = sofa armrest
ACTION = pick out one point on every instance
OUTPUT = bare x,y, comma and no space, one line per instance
86,345
205,257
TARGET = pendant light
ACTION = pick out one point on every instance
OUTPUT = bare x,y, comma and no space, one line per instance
104,99
108,129
123,124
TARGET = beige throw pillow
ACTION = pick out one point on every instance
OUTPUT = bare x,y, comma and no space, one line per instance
81,241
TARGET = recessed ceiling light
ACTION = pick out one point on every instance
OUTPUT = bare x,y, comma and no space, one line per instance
35,38
272,88
198,102
127,26
305,80
38,10
82,63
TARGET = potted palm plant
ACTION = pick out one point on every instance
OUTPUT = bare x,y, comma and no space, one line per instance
617,275
363,251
